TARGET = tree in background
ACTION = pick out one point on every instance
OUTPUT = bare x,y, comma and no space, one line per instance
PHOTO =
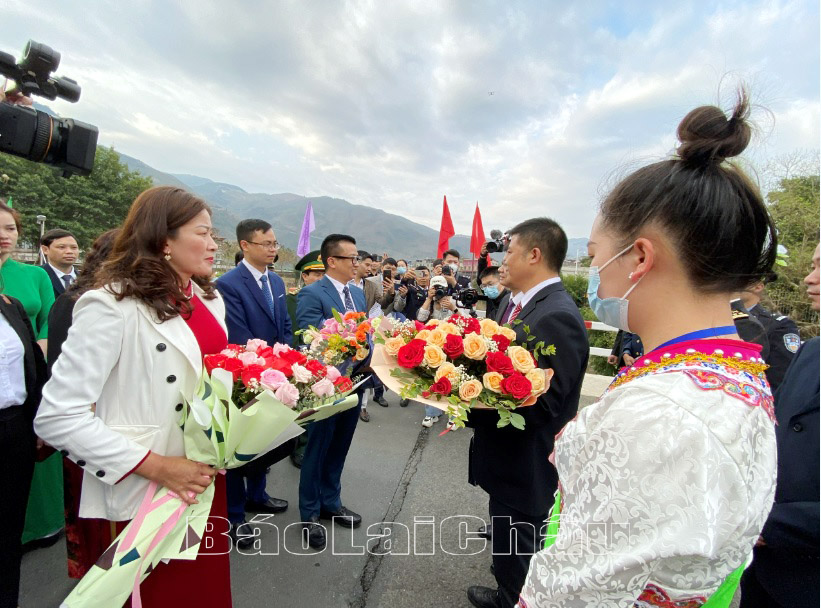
793,200
85,206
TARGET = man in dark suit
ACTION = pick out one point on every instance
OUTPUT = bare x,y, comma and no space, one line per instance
512,465
320,487
60,250
784,571
491,286
255,308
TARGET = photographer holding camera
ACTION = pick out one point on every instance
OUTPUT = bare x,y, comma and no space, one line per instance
412,292
438,305
492,288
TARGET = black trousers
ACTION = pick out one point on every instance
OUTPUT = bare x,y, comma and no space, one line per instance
17,454
516,537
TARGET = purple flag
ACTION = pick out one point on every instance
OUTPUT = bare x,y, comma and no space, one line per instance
308,226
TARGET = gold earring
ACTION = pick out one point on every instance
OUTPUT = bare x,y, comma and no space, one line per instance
167,256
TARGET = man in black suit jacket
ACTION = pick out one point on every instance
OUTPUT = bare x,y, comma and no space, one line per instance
60,250
784,571
510,464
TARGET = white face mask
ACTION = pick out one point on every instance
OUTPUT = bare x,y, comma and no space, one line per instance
454,268
611,311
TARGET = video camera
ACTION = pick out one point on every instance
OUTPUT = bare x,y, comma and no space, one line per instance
34,135
497,243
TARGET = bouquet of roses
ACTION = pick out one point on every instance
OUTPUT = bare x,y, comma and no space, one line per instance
462,363
250,400
298,381
342,338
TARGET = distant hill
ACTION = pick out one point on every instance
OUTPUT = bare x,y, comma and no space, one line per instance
375,230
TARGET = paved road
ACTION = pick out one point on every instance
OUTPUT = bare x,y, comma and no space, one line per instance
397,471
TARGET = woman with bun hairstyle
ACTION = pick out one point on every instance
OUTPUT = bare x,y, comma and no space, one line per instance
135,348
665,483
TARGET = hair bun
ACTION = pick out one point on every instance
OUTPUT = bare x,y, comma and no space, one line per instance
708,137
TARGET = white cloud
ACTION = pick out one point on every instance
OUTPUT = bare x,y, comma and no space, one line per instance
387,103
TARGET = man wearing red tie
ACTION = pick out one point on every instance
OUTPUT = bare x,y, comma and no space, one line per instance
512,465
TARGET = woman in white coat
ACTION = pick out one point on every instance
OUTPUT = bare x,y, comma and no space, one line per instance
114,399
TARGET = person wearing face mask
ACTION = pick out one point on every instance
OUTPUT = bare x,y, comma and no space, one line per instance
494,291
677,460
784,571
450,270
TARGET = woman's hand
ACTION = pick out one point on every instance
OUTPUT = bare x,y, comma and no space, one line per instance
447,303
184,477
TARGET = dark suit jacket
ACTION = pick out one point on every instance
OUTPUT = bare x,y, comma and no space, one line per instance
787,566
58,286
34,363
509,464
316,302
246,312
59,322
502,306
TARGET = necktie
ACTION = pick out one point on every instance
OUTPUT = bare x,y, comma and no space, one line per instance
508,310
67,280
349,307
266,293
515,313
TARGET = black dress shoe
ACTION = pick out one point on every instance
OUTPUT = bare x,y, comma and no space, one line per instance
485,532
483,597
382,401
344,517
272,505
296,459
241,535
316,533
404,402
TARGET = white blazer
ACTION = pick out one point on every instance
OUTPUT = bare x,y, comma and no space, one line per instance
136,370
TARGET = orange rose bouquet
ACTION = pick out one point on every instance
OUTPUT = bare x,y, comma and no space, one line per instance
462,363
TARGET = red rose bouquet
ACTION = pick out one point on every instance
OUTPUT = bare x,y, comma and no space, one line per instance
462,363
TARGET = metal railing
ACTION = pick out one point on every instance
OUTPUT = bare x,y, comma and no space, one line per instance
598,326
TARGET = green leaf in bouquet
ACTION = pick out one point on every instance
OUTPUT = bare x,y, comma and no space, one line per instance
526,328
518,421
337,316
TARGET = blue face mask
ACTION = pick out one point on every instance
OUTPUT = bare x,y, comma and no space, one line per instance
401,270
491,292
611,311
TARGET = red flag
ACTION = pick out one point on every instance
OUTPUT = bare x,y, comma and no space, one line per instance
445,231
477,237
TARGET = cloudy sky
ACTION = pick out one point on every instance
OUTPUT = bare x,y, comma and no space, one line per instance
529,108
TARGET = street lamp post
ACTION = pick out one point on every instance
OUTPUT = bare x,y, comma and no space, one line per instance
41,220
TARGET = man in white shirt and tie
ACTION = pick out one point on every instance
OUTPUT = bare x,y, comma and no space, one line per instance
60,249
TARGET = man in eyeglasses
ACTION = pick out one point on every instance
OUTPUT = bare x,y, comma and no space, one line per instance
320,487
255,308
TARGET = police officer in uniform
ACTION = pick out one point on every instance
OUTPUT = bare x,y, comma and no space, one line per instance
782,333
749,328
310,269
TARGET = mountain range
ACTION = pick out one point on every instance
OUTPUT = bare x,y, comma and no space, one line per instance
384,232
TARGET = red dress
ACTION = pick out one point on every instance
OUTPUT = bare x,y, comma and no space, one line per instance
178,582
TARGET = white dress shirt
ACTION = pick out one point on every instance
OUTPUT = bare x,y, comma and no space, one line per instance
60,274
257,275
12,372
339,288
524,298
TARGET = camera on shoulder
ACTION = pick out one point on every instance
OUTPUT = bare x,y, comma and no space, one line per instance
65,143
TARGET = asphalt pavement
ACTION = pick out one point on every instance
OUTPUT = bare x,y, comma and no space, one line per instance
416,547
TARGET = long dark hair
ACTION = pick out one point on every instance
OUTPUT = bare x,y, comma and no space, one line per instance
714,214
136,268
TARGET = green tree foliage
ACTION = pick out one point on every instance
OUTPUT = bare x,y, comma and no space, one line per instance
794,205
85,206
576,286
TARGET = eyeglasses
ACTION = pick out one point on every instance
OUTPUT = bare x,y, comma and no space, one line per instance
355,259
270,246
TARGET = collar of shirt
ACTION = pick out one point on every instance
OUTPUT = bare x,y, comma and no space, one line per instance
524,298
254,272
339,287
360,284
60,274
